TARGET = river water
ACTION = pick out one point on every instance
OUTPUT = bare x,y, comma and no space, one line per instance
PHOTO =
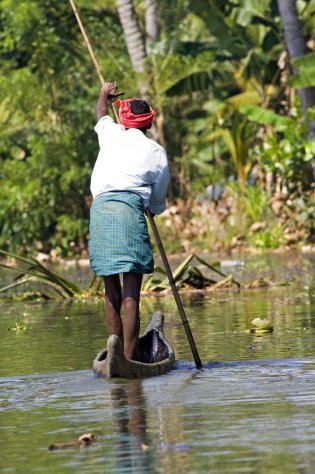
250,410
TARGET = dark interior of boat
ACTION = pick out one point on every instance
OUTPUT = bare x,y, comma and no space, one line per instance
151,348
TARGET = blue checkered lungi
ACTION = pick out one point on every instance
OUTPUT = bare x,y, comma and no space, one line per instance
119,238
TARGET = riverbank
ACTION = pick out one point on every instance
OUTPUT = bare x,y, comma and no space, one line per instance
196,274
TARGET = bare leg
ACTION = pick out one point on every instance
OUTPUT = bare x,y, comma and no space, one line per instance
130,300
113,305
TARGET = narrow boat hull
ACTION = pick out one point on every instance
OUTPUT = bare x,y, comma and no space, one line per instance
156,355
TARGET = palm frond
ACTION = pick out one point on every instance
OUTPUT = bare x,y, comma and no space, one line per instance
31,270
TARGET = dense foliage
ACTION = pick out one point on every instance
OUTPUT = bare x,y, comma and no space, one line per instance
219,78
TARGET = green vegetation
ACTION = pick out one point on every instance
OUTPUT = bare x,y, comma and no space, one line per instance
238,136
51,286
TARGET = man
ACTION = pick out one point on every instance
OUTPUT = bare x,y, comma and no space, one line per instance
130,175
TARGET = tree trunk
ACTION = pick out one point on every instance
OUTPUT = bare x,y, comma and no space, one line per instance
296,45
132,33
136,48
151,23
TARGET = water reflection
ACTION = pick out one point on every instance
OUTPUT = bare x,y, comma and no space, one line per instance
132,444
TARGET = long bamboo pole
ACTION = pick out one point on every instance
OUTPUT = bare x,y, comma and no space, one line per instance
149,214
175,291
90,49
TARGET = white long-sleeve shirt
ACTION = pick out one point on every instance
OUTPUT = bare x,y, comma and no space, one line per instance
129,161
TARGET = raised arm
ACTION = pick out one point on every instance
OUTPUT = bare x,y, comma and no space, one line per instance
108,90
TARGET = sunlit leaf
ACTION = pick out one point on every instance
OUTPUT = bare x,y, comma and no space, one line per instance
265,117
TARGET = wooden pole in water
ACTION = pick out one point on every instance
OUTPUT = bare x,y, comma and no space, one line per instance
175,291
148,212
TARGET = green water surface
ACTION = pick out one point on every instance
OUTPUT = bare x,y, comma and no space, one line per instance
250,410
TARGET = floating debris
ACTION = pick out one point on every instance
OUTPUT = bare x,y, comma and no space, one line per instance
176,446
190,277
231,263
17,327
84,440
261,325
51,286
259,283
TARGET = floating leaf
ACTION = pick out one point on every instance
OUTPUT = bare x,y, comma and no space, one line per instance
84,440
262,325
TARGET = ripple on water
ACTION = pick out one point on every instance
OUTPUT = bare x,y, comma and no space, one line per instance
246,411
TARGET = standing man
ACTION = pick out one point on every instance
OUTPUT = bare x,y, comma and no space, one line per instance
130,175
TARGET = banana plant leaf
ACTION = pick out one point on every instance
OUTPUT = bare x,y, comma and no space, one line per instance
305,71
265,117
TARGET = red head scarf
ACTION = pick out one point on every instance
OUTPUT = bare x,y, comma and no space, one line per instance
130,120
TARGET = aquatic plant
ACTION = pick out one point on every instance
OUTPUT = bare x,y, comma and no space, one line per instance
188,276
50,285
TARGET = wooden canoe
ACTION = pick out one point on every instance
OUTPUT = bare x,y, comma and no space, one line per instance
155,353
